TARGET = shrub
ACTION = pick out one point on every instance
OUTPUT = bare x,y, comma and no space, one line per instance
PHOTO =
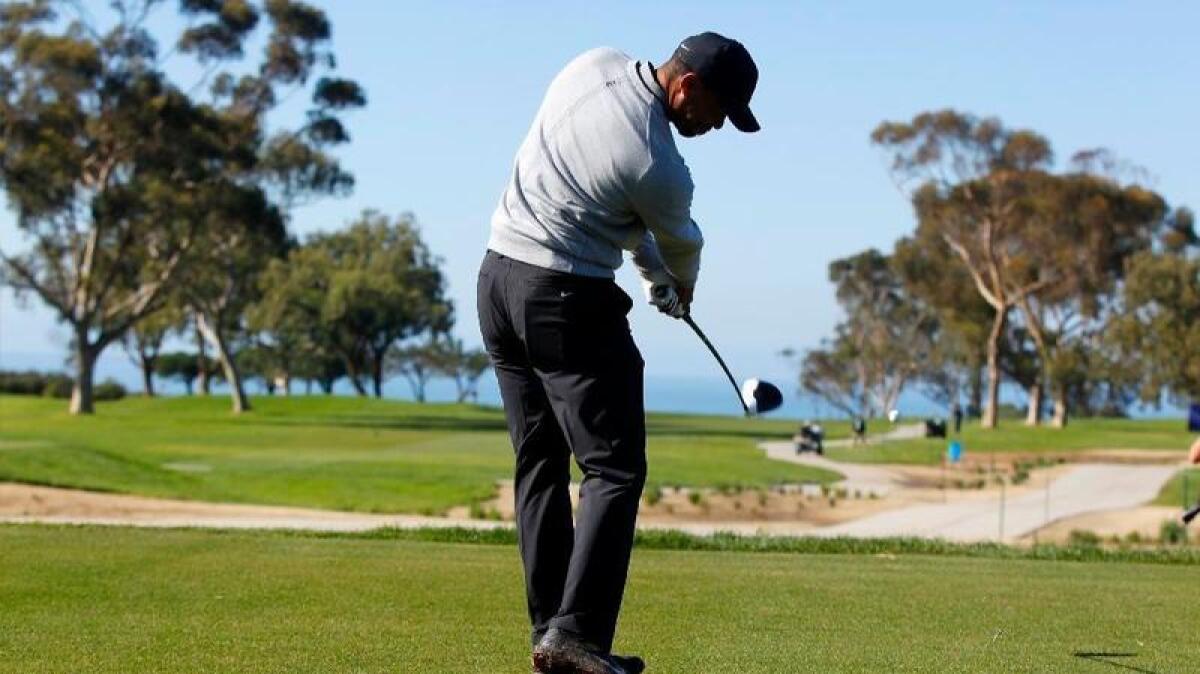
108,390
1079,538
653,495
695,497
1172,533
58,387
33,383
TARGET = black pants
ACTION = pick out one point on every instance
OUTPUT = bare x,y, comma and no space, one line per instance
571,380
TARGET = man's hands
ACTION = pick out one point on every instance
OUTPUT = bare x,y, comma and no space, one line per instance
674,302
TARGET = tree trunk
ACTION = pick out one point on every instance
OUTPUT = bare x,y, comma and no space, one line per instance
1060,407
236,391
975,404
326,386
353,375
377,376
85,368
416,381
1033,416
991,411
148,377
201,360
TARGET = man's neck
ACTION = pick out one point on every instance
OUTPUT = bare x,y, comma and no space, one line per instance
660,76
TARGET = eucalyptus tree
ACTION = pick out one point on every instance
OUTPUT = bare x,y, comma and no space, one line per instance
387,286
1082,229
106,163
889,334
828,373
358,293
968,178
112,166
292,161
417,364
144,341
932,276
1159,322
464,366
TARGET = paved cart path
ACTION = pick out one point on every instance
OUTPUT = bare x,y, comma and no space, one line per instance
1083,489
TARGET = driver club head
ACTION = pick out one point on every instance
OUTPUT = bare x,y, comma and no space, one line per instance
760,396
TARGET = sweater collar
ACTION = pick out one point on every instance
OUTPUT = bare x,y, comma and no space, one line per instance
643,71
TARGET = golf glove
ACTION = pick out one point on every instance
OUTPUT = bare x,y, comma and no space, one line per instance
667,300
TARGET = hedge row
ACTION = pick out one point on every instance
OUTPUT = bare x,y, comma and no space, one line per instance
54,385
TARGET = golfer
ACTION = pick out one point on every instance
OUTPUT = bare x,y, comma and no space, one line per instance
598,174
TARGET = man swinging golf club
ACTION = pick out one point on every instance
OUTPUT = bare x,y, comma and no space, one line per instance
597,174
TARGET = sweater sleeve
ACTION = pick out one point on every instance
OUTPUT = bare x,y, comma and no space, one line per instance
649,262
663,200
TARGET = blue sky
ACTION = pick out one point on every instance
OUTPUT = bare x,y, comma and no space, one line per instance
453,87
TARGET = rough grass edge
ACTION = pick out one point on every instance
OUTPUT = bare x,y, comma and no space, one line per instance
730,542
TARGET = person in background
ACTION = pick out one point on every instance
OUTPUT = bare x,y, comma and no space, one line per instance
860,431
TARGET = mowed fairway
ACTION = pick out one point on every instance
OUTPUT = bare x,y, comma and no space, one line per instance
339,453
129,600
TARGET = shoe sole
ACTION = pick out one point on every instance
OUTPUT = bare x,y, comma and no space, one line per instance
548,663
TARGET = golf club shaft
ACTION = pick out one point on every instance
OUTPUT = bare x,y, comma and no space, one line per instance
1191,514
687,318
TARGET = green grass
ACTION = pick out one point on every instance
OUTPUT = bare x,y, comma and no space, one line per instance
128,600
1014,436
1172,493
334,452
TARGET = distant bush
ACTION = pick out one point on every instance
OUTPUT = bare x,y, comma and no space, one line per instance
1172,533
653,495
1078,538
58,388
54,385
108,390
32,383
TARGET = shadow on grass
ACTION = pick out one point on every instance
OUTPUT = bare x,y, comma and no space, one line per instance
403,423
667,428
1105,658
484,424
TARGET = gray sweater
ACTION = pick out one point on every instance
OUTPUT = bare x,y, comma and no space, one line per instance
599,173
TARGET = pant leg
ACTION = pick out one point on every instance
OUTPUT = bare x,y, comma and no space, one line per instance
545,533
578,341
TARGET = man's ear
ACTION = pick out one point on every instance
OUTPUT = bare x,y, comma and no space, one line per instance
688,82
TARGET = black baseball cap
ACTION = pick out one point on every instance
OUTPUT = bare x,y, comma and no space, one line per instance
726,69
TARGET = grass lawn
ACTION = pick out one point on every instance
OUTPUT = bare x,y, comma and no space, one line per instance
335,452
127,600
1173,494
1014,436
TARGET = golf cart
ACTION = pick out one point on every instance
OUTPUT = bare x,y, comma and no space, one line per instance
810,438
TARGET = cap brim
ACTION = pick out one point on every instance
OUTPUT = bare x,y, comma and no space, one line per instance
742,119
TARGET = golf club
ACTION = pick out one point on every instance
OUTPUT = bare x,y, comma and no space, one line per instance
755,395
1191,514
